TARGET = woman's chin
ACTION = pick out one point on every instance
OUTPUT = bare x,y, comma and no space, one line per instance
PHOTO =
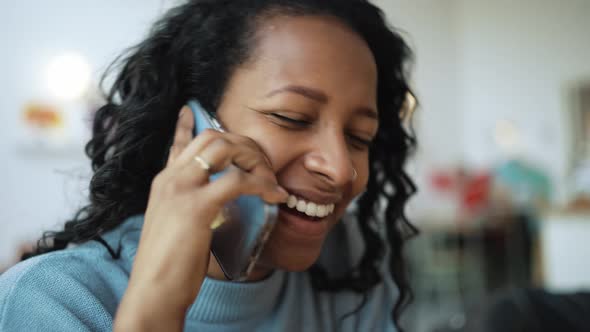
297,265
281,255
291,264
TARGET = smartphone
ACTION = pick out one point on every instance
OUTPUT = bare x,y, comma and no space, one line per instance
238,242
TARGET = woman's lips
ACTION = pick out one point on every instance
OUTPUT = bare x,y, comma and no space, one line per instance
302,223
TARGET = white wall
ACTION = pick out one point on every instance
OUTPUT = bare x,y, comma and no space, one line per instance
40,192
430,30
516,61
480,62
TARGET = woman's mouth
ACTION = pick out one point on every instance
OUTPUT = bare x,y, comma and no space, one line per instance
305,217
308,208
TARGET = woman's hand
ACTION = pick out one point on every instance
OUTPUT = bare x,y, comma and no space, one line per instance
173,253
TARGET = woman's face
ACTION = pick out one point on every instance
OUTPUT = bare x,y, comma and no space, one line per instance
308,97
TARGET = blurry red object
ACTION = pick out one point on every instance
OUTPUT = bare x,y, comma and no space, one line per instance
476,191
42,116
443,181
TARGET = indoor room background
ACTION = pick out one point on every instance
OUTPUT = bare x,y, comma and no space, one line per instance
503,128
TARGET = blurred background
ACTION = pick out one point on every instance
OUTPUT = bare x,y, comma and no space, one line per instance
503,122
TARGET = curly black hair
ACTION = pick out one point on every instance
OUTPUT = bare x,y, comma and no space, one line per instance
191,53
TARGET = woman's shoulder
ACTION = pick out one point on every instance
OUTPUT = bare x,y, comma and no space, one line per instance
72,289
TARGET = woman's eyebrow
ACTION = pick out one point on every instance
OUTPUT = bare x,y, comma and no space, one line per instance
310,93
321,97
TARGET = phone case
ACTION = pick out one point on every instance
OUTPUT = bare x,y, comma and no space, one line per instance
238,242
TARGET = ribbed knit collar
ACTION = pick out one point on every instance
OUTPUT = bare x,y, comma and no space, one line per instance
224,301
218,301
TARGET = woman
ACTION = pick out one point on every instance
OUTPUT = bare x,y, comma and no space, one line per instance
310,93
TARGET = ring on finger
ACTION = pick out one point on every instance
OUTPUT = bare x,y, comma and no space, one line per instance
218,221
202,163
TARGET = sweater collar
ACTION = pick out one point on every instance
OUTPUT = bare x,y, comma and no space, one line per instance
225,301
218,301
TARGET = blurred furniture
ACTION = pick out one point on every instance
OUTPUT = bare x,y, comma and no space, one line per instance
565,251
532,310
453,267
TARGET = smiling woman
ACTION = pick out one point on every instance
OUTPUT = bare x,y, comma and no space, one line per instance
310,120
309,93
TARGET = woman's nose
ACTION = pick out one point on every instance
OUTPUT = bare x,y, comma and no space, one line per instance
330,158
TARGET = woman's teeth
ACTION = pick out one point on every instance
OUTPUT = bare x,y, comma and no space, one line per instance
310,208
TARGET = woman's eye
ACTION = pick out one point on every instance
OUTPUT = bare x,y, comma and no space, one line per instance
291,121
359,142
356,141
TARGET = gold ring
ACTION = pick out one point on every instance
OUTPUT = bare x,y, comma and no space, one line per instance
204,165
218,221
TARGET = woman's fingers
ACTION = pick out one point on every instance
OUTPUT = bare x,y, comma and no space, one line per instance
193,160
236,182
217,156
183,134
220,149
197,145
260,165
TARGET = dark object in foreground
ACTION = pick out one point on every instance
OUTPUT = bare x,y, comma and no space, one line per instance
525,310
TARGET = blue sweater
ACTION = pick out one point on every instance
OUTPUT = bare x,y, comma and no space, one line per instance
79,289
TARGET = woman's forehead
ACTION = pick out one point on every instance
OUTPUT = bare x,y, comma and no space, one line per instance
314,51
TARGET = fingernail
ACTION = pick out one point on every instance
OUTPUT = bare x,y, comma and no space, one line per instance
283,192
182,110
